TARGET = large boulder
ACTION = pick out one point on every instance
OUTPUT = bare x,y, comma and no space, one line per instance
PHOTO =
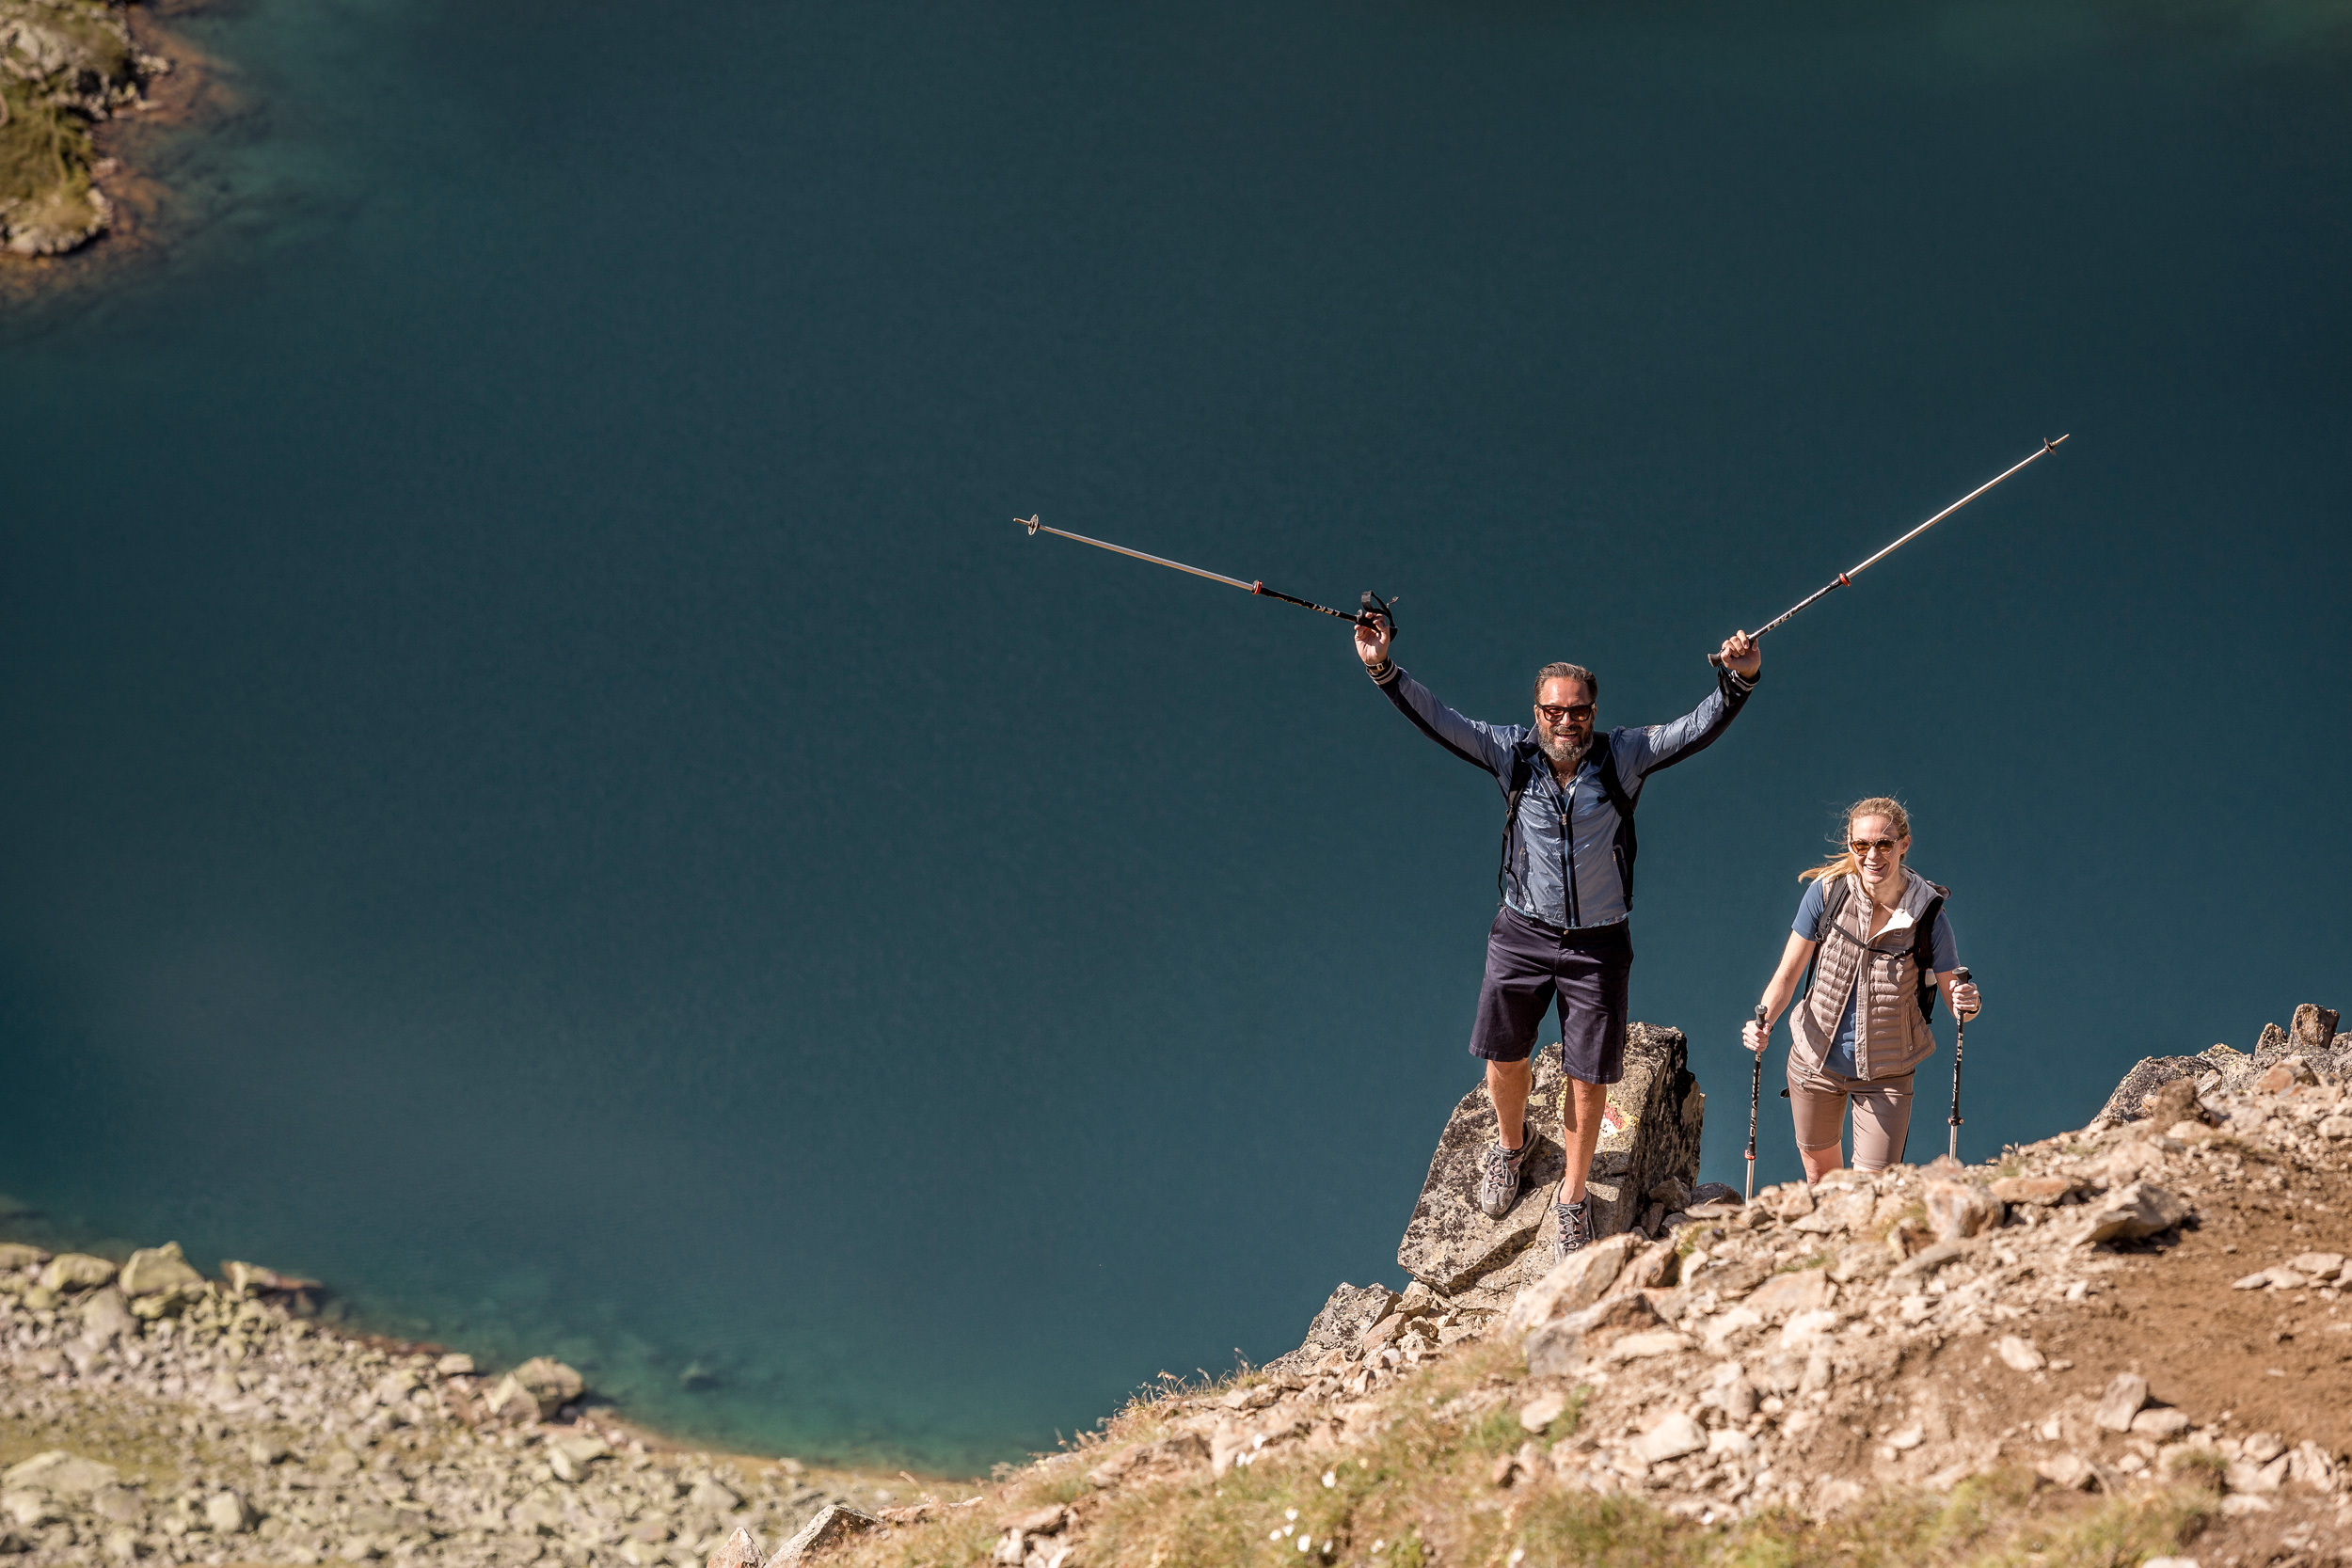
1649,1133
152,1271
2151,1073
831,1525
1350,1310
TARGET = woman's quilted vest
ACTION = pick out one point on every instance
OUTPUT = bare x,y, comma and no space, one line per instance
1890,1036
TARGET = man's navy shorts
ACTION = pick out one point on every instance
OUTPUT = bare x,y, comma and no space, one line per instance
1530,966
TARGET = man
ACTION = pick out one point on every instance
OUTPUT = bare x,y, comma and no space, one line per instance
1567,885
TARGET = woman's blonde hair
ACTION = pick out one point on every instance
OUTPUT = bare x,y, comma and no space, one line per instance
1842,862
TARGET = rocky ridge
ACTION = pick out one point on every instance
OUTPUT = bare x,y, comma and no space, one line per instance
2146,1316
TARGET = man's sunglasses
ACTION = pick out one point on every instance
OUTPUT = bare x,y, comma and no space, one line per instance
1554,714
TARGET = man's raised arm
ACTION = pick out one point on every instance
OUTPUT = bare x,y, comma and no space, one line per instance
1467,738
1660,746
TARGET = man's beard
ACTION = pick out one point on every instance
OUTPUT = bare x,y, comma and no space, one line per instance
1566,755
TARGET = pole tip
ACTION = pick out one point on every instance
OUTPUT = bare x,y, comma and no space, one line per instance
2049,445
1029,522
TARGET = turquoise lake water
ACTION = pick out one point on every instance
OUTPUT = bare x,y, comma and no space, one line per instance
545,790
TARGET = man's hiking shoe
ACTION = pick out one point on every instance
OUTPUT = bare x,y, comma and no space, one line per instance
1576,1229
1498,1175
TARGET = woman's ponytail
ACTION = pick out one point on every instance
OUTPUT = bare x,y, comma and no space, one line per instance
1842,863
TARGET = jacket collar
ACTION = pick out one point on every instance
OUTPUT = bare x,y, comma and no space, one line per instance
1916,891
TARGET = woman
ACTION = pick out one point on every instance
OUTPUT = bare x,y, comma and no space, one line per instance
1861,1030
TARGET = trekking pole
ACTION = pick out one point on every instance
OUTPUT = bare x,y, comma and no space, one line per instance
1960,1043
1372,610
1847,577
1756,1092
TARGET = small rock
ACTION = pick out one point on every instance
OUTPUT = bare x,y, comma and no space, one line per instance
569,1458
550,1382
1672,1436
455,1364
1555,1348
2068,1470
2019,1355
715,1495
2121,1401
2317,1265
740,1550
2140,1209
2161,1422
225,1514
1037,1521
1789,1294
1573,1284
1805,1328
1926,1262
1907,1439
16,1255
59,1474
76,1271
1640,1347
511,1402
2041,1190
1958,1209
2175,1102
106,1316
1542,1411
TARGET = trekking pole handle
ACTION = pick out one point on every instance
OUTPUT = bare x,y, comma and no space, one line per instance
1960,1043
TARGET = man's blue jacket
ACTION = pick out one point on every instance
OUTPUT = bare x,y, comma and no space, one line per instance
1567,859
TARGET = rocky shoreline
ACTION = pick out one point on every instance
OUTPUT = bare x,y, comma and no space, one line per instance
150,1414
66,65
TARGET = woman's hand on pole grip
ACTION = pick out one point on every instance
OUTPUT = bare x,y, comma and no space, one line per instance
1755,1035
1372,641
1966,1004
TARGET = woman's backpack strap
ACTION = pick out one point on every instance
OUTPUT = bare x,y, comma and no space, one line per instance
1923,948
1833,900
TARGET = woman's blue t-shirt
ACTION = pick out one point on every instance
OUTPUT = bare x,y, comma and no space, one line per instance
1944,957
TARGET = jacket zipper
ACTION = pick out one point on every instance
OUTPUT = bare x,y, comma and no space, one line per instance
1567,849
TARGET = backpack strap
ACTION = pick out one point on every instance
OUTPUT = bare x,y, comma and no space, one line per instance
1627,845
1514,787
1833,902
1923,948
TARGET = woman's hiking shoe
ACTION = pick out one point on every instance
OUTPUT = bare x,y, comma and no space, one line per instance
1498,1175
1576,1229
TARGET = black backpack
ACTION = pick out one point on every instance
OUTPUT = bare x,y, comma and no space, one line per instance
1524,756
1922,940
